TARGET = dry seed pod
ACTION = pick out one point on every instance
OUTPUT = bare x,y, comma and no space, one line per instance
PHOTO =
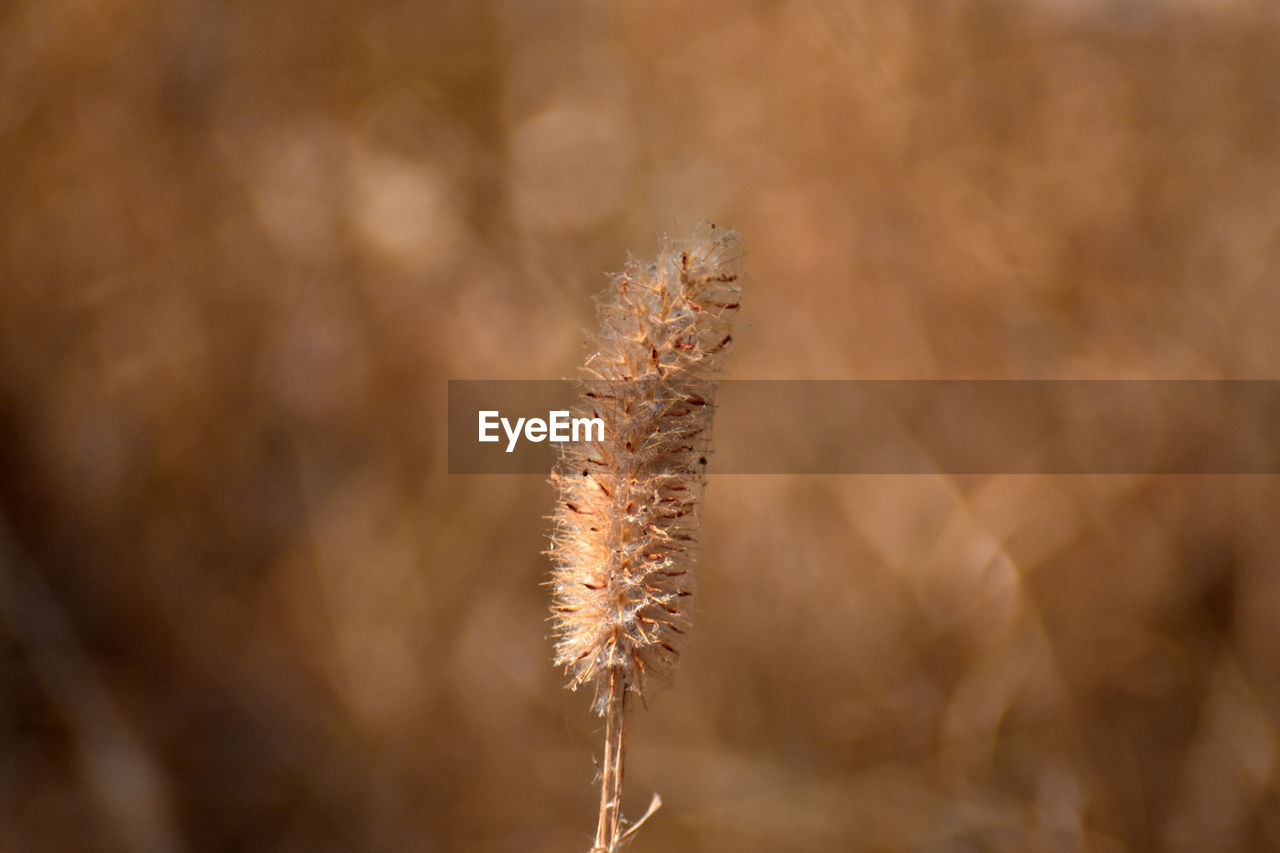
626,515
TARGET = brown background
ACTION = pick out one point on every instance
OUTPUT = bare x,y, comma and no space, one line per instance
244,244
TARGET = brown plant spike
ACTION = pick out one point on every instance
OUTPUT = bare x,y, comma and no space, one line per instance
626,516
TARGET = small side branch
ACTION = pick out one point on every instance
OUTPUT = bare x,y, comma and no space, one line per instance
654,805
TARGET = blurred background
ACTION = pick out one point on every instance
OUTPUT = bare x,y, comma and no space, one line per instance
243,246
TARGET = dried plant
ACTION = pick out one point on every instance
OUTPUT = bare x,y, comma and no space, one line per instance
626,516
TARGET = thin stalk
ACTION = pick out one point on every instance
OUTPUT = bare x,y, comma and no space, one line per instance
615,744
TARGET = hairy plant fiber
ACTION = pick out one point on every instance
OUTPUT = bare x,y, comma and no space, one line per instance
626,515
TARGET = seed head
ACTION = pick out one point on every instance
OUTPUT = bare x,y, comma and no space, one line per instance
626,515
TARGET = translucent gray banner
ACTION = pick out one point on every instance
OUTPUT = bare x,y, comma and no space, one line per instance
911,426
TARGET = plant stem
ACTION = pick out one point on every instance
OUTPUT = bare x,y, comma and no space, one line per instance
607,837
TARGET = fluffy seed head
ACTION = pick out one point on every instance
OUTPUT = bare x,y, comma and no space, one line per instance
626,515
